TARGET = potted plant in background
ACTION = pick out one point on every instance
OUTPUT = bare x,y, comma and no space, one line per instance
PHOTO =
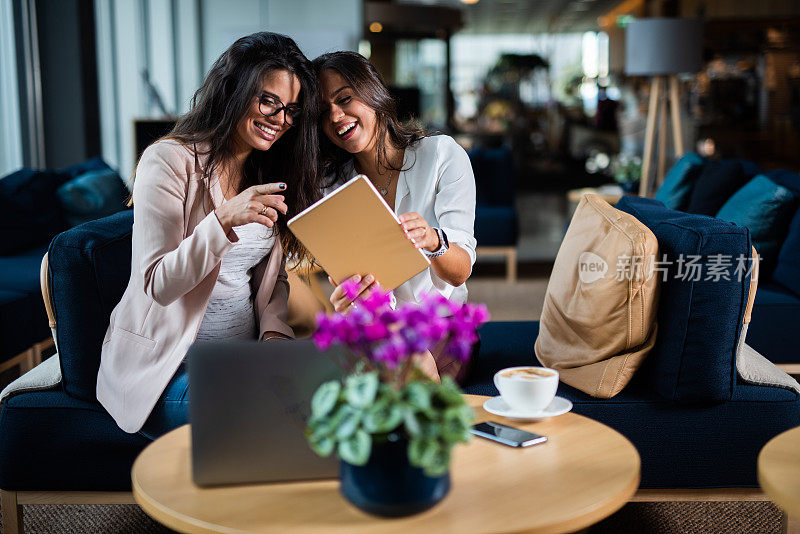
392,427
627,170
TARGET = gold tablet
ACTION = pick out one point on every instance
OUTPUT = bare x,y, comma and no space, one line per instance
354,231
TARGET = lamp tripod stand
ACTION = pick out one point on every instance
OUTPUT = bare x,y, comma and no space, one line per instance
657,111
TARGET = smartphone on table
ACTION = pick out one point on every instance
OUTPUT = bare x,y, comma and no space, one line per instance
507,435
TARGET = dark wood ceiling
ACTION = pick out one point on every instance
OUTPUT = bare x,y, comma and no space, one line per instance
527,16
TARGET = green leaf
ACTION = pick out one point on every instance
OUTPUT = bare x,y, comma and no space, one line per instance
349,421
453,427
411,422
438,464
325,398
385,391
449,392
421,451
467,414
360,390
321,430
382,417
429,429
419,396
323,446
355,450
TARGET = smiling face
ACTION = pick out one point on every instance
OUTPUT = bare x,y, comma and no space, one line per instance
349,122
255,131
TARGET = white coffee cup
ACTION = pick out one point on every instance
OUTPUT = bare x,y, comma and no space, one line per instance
527,388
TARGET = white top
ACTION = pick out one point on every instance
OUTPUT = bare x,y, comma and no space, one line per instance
440,186
230,314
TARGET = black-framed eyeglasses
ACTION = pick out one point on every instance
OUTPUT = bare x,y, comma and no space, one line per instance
269,106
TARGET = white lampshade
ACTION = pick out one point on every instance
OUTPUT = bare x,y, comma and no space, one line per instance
663,46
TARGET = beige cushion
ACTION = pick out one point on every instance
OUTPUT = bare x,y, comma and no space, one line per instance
598,321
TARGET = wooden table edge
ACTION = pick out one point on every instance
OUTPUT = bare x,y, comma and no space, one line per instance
602,509
169,517
776,494
599,511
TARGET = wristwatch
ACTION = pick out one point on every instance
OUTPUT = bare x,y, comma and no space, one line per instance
444,244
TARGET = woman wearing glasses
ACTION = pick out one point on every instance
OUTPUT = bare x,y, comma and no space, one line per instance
427,180
209,236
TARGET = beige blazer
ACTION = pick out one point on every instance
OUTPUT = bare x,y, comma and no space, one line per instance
178,244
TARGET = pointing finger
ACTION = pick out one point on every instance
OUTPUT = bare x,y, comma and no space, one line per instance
269,189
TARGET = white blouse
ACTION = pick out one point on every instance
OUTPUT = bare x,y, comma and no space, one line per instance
230,313
440,186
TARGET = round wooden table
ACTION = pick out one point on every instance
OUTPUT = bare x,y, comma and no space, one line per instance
584,473
779,471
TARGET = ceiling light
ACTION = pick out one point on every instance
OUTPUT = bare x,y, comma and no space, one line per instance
376,27
469,2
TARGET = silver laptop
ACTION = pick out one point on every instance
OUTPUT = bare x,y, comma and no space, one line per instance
249,403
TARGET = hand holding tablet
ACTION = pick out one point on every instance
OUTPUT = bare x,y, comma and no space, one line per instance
353,231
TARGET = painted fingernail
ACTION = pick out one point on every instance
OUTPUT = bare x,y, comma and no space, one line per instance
282,186
369,279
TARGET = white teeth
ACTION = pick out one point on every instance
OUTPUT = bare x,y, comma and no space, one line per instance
266,129
345,128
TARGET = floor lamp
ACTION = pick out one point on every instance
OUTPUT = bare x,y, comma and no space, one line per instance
662,48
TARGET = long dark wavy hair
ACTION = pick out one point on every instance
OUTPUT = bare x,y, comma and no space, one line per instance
368,86
219,104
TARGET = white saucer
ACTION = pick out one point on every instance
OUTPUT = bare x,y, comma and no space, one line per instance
497,406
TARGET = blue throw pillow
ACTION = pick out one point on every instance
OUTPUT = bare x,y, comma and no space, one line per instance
788,179
674,193
92,195
787,271
700,313
30,214
749,168
766,209
715,185
73,171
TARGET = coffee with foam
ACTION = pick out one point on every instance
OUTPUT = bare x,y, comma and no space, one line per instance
527,388
530,373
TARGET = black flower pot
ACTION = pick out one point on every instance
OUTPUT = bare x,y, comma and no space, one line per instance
388,485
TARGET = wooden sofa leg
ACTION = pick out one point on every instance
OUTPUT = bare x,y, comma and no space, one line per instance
12,512
511,266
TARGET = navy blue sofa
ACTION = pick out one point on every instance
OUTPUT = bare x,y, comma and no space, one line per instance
700,444
496,217
694,422
31,213
62,439
698,185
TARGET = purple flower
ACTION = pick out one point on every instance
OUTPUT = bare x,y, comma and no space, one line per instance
388,337
375,332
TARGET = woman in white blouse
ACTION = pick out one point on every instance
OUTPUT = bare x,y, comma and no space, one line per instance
428,180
